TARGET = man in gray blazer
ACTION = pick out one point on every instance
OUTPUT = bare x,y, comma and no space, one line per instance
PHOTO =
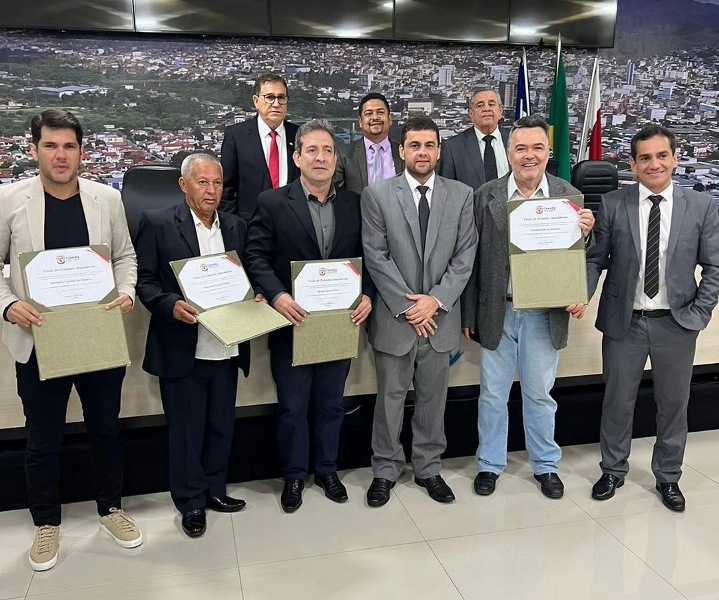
527,339
419,243
466,156
373,157
57,210
650,238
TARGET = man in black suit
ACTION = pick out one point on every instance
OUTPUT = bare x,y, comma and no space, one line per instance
257,154
198,374
309,219
466,156
373,157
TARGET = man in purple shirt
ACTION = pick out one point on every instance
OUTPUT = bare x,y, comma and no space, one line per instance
374,157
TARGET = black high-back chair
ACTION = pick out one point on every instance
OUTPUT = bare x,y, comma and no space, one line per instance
594,178
149,186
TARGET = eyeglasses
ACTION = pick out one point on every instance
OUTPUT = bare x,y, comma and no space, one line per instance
270,98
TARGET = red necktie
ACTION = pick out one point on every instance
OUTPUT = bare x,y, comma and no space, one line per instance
274,162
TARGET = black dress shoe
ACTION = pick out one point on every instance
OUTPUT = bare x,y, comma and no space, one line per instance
438,490
606,486
378,492
194,522
485,483
672,496
225,504
551,485
332,486
291,498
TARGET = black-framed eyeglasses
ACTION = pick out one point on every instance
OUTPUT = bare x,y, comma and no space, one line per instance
270,98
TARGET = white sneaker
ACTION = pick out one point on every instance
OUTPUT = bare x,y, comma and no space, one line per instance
45,548
121,528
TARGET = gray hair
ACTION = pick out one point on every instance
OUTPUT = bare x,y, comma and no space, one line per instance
189,162
530,122
312,126
479,91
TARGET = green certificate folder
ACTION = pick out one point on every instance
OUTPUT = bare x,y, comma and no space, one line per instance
547,257
226,304
79,337
326,335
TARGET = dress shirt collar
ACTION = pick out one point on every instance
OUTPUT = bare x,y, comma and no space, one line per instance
413,183
496,134
310,196
198,222
645,192
384,144
264,129
513,190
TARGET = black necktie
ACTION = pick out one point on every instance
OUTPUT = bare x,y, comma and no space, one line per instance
490,160
651,265
423,213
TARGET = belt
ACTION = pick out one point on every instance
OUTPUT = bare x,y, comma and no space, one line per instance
653,314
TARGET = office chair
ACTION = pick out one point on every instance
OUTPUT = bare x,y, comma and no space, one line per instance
149,186
594,178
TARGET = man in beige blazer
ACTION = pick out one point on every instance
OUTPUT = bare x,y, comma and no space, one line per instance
57,209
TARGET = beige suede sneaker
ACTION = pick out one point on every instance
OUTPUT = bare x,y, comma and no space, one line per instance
44,550
121,528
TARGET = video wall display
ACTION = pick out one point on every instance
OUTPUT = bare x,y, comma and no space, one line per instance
90,15
235,17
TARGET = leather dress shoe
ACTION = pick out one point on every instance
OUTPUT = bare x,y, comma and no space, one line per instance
672,496
551,485
291,498
332,486
194,522
606,486
437,489
378,492
485,483
225,504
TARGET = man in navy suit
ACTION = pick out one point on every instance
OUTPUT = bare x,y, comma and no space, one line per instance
309,219
198,374
257,154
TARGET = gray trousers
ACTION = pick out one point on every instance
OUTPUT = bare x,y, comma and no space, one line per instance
429,370
671,348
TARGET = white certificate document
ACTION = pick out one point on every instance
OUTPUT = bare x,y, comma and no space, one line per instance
216,280
545,225
330,285
69,276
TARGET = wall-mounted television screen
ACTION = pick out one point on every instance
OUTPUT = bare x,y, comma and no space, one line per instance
91,15
241,17
354,19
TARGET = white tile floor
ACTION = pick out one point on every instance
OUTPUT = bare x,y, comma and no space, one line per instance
513,545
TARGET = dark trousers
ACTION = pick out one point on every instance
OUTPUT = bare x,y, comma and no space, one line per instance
45,407
200,412
311,392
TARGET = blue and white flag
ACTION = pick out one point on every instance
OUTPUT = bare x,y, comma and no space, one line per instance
522,107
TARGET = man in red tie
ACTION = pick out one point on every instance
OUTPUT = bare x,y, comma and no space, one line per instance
257,154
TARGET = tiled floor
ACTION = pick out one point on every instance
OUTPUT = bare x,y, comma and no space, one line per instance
513,545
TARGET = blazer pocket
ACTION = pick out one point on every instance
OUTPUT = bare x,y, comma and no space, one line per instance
483,297
610,289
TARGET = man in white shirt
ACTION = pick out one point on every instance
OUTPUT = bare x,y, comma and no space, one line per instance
651,238
198,374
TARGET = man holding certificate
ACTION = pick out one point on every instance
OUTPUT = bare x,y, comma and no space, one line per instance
198,374
527,339
306,220
58,210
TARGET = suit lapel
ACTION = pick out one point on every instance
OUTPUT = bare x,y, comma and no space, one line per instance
361,158
186,225
678,212
298,205
498,206
92,208
291,166
439,201
229,236
474,156
341,217
35,214
406,201
632,207
398,162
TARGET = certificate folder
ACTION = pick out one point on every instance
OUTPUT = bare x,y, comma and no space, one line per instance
547,278
237,321
325,335
76,338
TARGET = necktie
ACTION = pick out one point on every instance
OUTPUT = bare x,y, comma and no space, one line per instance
423,213
377,163
651,265
490,160
274,162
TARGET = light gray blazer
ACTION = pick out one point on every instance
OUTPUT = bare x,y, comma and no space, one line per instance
393,257
693,240
22,229
484,298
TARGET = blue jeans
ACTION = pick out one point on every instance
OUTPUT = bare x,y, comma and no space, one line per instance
526,344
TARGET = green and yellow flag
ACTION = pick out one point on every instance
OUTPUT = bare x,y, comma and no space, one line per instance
559,119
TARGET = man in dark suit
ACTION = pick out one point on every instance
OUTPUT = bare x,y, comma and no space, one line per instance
419,243
650,238
257,154
478,155
529,340
309,219
374,157
198,374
